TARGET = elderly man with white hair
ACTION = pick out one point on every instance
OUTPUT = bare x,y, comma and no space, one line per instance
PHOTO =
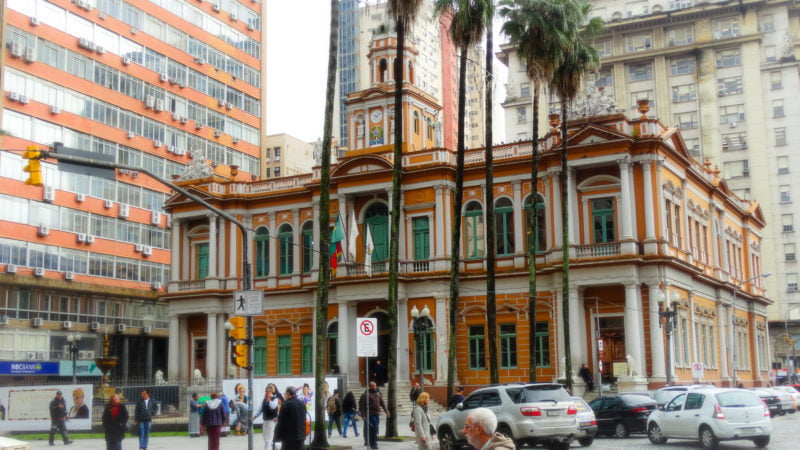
479,430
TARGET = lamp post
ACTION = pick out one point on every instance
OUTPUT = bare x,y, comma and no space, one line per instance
74,339
669,317
736,287
421,325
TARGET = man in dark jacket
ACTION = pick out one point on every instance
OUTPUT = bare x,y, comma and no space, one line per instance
58,417
291,427
372,420
456,398
143,417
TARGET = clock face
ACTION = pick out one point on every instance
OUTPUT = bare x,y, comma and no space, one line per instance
376,115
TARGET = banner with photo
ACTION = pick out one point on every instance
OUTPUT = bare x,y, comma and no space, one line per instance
27,408
304,386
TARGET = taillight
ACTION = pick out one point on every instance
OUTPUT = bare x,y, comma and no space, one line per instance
639,409
766,411
572,410
531,411
718,414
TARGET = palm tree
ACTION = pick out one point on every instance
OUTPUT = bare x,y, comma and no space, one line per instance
321,324
579,58
534,28
469,18
404,12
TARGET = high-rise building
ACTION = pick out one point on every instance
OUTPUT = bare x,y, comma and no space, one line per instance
726,74
153,86
286,155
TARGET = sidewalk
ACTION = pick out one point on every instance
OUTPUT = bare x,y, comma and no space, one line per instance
237,442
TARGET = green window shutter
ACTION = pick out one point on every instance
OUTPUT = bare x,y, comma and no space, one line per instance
603,220
284,355
286,259
308,352
477,347
260,356
308,247
542,344
474,231
504,225
262,252
202,261
422,246
508,346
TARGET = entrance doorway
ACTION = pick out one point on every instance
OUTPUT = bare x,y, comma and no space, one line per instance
612,332
383,347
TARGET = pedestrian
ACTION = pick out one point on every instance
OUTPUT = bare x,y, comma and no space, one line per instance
456,398
423,428
374,400
143,417
415,391
379,373
335,370
349,410
194,415
226,405
213,419
58,417
115,422
291,427
479,430
269,410
334,407
586,374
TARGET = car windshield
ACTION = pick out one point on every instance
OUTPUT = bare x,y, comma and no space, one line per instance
737,399
534,394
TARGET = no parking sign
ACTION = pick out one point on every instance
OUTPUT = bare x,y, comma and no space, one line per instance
698,371
367,337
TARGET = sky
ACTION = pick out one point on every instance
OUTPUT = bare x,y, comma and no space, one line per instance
297,65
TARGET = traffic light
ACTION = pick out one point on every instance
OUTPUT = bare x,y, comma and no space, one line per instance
34,167
238,334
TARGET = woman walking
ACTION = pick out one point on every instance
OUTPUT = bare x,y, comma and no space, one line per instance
349,409
115,421
422,423
194,415
213,418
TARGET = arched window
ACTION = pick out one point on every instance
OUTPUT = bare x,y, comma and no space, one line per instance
262,252
377,219
416,122
286,257
382,70
504,224
541,223
473,220
308,246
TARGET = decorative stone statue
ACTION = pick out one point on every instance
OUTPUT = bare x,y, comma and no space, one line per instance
159,377
197,169
633,369
197,377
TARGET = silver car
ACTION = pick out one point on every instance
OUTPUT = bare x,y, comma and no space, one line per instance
711,416
538,413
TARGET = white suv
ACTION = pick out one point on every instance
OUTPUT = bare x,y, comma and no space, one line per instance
538,413
712,415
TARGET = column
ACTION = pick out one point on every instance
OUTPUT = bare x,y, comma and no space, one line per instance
559,318
587,224
149,358
577,334
520,221
656,335
126,356
222,359
633,333
212,246
175,260
173,370
401,246
650,218
183,350
685,212
723,363
351,368
222,238
439,221
625,209
402,369
440,323
212,357
344,348
272,254
234,255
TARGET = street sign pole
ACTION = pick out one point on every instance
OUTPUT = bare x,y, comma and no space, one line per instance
367,346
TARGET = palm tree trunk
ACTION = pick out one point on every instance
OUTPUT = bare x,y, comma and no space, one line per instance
491,229
565,246
455,247
533,237
321,307
394,239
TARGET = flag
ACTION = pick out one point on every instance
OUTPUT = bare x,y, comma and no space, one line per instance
337,236
352,236
368,248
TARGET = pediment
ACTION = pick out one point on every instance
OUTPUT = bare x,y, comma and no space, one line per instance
361,165
594,134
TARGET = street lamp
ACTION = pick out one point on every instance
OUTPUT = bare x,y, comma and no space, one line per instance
421,326
74,339
669,317
736,287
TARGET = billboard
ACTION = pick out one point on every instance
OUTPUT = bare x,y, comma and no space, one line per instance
27,408
307,395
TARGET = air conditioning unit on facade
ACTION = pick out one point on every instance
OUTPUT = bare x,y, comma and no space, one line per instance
217,133
198,126
155,219
69,276
229,105
138,247
108,203
81,237
234,18
250,27
121,327
147,329
37,322
87,44
85,354
49,194
100,49
157,144
66,325
55,109
16,50
89,239
30,356
130,135
147,250
163,78
159,105
732,124
84,4
184,119
216,7
11,268
126,60
13,96
150,102
30,54
157,285
44,230
94,326
34,21
39,271
24,99
124,211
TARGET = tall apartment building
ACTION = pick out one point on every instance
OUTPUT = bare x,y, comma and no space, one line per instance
436,70
286,155
151,85
726,74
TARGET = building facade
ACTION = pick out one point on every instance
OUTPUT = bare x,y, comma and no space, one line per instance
152,86
286,155
726,74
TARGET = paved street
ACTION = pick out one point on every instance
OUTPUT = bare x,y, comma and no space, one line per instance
784,437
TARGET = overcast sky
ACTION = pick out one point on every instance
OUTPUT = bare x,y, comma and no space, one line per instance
297,64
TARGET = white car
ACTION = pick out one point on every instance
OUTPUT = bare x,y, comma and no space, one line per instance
793,394
587,422
710,416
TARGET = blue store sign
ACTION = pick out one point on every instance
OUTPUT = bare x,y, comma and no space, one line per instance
28,368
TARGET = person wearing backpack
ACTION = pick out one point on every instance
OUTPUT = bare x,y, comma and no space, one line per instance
334,408
421,423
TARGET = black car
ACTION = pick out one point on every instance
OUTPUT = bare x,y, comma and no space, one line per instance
620,415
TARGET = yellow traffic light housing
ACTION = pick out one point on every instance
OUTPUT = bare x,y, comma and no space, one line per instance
238,331
240,355
34,167
239,343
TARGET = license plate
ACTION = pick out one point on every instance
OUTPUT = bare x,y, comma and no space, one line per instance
749,430
585,424
553,413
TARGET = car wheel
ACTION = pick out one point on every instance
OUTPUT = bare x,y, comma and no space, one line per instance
446,439
620,430
586,442
707,438
761,441
655,435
